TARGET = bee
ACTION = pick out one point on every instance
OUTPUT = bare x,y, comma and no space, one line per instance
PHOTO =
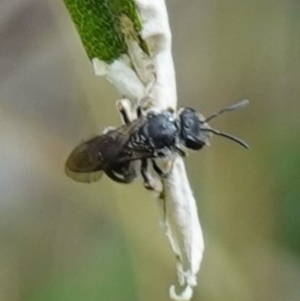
116,151
148,137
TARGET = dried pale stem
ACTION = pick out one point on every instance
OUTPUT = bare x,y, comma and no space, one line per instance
142,66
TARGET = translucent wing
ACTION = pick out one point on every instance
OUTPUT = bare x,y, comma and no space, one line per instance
85,163
90,158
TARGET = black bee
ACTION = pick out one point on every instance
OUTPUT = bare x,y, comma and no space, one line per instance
115,152
156,135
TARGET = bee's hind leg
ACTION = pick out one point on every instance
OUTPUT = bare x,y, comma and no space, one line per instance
116,174
108,129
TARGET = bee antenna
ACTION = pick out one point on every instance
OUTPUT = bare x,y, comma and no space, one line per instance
232,138
233,107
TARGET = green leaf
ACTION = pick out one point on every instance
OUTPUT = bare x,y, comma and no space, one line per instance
98,24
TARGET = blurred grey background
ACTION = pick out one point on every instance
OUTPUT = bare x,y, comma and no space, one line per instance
60,240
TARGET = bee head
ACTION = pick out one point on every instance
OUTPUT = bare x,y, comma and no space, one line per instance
195,131
192,124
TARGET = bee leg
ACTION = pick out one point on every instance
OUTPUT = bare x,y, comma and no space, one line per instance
124,108
158,170
181,152
139,111
148,180
114,177
108,129
144,172
125,179
125,117
144,104
128,114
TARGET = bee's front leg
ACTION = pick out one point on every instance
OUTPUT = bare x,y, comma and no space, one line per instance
125,109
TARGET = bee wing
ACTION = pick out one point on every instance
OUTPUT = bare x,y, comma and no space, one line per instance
84,177
85,163
90,158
